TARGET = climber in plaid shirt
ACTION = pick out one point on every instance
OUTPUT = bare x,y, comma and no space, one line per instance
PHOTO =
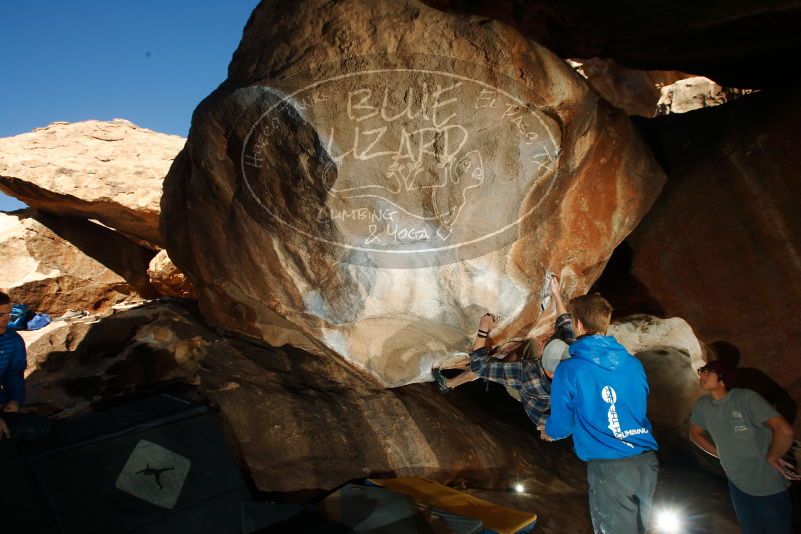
532,378
527,376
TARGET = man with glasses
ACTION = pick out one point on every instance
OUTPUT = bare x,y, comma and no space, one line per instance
749,437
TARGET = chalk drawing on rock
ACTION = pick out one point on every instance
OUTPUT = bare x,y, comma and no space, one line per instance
410,159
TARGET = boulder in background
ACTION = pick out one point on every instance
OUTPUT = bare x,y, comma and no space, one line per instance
109,171
55,264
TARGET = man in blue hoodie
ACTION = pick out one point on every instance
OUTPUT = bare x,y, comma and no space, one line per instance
599,396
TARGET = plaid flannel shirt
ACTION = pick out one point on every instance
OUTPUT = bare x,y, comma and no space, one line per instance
564,329
526,376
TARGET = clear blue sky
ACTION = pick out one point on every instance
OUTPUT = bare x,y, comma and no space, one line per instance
147,61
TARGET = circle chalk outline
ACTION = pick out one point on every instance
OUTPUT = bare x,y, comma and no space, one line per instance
390,251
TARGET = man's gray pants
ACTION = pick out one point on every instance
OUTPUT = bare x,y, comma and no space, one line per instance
621,493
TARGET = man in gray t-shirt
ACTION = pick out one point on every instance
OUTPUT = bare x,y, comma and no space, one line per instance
750,438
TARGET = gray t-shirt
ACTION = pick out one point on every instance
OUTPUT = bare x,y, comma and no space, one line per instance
735,424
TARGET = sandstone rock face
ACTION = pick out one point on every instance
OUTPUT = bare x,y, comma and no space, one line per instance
302,422
722,245
645,332
637,92
55,264
109,171
373,176
167,279
410,431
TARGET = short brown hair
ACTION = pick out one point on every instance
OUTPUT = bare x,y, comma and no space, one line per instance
4,299
593,311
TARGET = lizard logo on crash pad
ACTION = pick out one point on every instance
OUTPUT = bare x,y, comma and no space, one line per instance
154,474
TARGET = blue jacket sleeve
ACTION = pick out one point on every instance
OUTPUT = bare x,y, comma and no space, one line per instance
562,419
14,378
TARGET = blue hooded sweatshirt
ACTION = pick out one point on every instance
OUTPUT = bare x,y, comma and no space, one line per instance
600,396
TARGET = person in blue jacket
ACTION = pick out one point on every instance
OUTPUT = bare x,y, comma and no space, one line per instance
599,396
13,361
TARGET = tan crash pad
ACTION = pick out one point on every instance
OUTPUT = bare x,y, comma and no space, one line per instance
496,518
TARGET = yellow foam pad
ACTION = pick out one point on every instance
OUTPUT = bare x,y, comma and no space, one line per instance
498,518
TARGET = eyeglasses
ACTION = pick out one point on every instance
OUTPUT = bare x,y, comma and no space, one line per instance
703,371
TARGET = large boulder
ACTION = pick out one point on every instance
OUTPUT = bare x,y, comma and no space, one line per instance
722,245
55,264
373,176
108,171
640,333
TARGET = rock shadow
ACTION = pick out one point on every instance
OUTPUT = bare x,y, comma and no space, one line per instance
107,362
108,247
623,290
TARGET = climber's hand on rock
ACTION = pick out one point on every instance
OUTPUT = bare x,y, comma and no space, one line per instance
555,287
487,322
